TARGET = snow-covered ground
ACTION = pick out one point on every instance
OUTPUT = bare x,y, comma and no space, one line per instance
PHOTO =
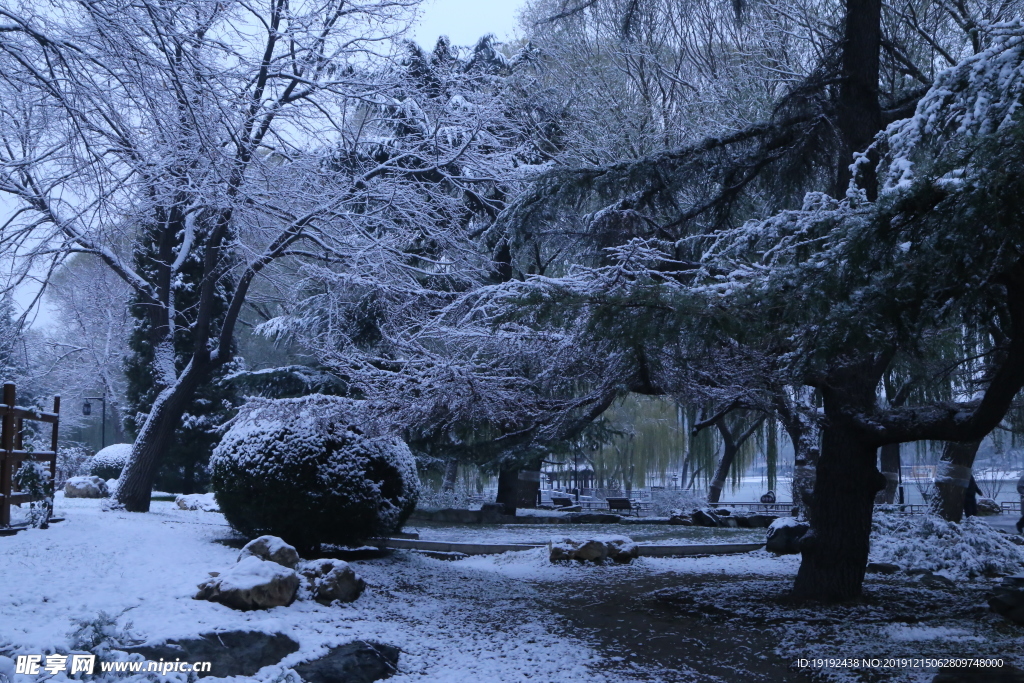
512,617
146,567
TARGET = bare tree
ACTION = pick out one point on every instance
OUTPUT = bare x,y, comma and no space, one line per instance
234,134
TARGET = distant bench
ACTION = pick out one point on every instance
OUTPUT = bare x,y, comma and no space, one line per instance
623,504
560,502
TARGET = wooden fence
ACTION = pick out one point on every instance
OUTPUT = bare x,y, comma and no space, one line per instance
12,453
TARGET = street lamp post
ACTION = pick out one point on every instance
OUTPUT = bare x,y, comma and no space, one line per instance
87,410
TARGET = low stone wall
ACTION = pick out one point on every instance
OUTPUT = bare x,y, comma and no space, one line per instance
485,516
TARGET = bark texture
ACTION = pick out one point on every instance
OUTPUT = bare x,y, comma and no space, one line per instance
949,490
835,551
889,464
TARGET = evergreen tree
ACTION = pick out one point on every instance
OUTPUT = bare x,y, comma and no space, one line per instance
184,465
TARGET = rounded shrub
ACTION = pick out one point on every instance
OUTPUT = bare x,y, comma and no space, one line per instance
303,470
108,462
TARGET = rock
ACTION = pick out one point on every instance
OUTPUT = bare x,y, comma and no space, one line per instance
723,512
622,550
1015,581
784,536
492,513
330,580
205,502
917,571
987,506
251,584
882,568
356,662
730,522
86,487
595,518
761,521
231,653
272,549
1009,603
680,520
591,551
1005,674
619,549
704,518
936,581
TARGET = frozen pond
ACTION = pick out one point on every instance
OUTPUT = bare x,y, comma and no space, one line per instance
659,534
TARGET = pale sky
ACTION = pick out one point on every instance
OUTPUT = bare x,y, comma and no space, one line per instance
465,21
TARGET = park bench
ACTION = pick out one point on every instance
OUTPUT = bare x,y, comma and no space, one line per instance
561,502
623,504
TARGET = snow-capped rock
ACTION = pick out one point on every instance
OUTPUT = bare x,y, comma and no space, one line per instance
618,549
271,549
251,584
330,580
784,536
206,502
86,487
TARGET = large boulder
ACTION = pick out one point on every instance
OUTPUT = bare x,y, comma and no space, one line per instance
1008,602
271,549
988,507
784,536
329,580
230,653
618,549
705,518
356,662
86,487
251,584
311,471
108,462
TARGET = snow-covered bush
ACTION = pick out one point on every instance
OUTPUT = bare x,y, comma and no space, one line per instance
33,478
669,502
108,462
72,461
970,549
303,470
437,499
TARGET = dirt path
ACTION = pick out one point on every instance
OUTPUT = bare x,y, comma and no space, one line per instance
643,628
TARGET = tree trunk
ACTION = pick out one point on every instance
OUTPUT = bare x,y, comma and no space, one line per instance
451,475
835,551
724,465
859,112
508,489
889,459
952,477
188,484
135,486
528,485
805,466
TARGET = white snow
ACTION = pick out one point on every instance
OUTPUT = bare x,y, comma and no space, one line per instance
967,550
905,632
145,568
207,502
250,572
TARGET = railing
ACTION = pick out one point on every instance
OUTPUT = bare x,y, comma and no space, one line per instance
12,452
758,507
1011,505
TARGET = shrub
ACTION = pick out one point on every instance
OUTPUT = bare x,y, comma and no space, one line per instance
73,460
301,469
108,462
